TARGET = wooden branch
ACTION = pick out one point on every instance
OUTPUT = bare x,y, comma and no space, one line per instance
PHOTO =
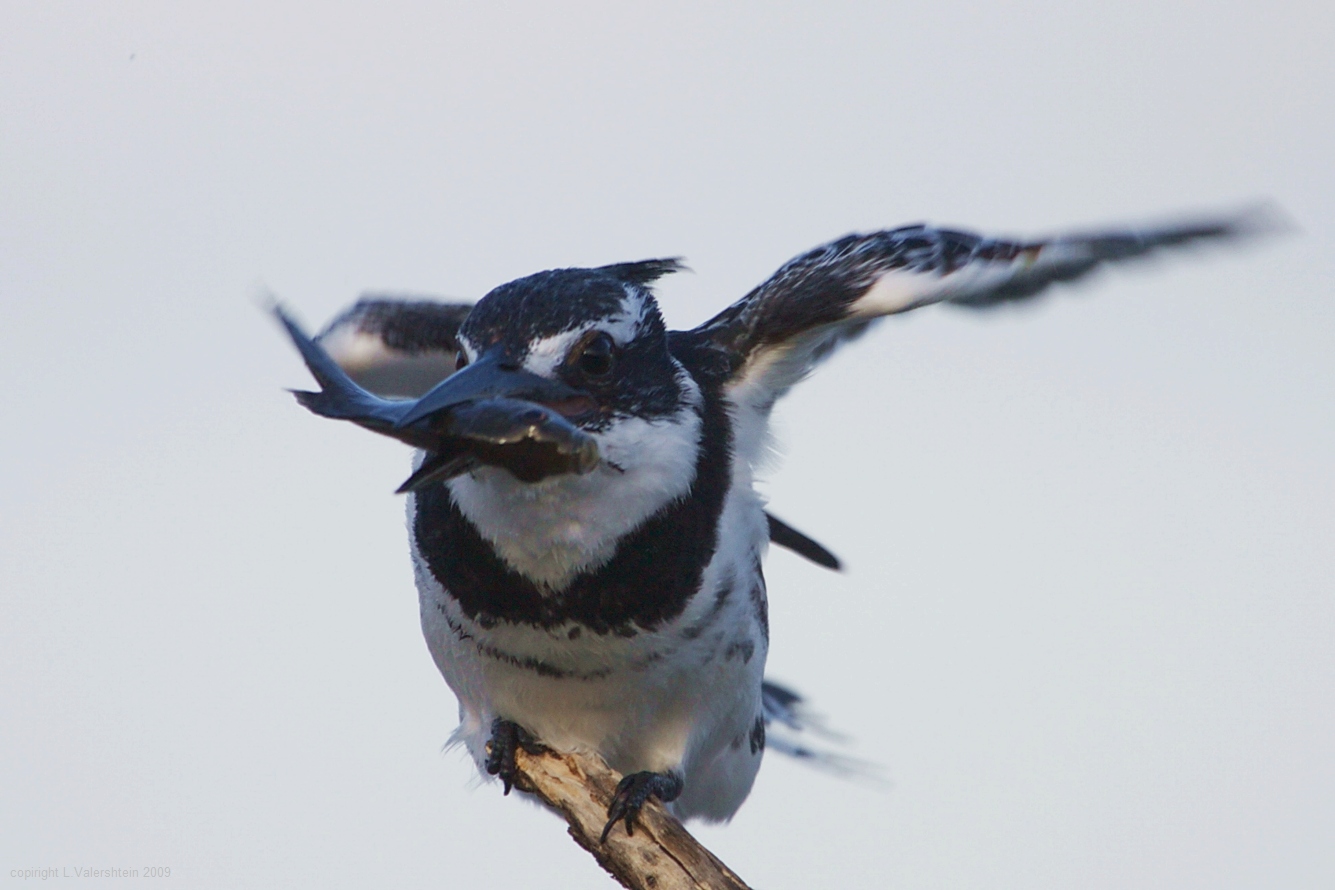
661,855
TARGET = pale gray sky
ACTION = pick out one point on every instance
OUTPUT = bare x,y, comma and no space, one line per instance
1088,625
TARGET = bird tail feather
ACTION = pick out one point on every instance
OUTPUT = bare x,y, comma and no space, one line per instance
789,723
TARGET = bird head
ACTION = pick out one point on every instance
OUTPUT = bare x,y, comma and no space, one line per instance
549,366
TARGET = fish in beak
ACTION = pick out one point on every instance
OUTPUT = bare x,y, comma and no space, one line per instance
490,413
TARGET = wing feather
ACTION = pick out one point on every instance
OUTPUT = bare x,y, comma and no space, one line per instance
396,347
776,333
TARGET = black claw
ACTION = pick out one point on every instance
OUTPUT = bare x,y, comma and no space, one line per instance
633,791
508,737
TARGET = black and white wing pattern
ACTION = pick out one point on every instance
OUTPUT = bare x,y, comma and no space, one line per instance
394,346
777,332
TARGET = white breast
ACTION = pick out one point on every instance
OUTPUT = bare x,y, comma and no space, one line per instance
552,530
682,697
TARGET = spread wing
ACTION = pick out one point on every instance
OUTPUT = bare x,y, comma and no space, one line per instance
396,347
774,335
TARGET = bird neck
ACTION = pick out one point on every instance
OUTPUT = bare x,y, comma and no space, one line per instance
625,545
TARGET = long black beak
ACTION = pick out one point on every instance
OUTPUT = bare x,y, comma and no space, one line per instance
492,376
491,412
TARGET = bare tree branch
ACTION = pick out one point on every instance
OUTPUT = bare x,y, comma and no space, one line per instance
661,855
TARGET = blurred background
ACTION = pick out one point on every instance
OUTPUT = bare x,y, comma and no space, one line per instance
1088,617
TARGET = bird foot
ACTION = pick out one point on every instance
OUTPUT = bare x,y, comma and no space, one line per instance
631,794
508,737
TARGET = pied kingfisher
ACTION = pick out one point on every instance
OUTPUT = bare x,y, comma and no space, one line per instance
584,527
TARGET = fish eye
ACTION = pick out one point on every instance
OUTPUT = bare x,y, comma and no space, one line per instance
595,358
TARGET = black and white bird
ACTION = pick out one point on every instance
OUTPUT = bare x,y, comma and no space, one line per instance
584,527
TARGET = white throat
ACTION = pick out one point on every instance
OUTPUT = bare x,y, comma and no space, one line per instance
552,530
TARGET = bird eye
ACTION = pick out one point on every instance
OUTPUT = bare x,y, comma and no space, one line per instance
461,362
595,359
